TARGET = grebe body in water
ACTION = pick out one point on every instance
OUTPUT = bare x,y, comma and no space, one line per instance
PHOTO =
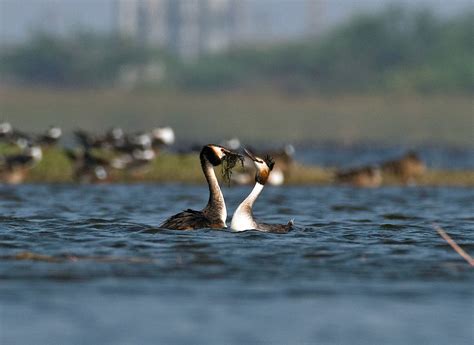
214,215
243,217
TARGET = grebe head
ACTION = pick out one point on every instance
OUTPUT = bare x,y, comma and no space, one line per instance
215,153
264,166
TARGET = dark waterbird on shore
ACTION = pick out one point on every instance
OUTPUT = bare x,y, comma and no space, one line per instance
136,162
243,218
50,137
407,168
368,176
12,136
14,168
88,167
214,215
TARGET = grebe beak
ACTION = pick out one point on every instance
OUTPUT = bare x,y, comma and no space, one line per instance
232,153
250,155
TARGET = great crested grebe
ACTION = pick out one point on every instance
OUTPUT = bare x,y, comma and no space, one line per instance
214,215
243,217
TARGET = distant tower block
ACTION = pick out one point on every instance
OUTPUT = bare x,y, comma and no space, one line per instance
315,16
188,44
127,17
217,28
158,22
238,20
143,20
192,28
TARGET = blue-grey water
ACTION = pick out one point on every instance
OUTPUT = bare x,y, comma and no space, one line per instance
89,265
346,156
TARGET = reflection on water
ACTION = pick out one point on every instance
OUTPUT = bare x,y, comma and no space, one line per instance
88,264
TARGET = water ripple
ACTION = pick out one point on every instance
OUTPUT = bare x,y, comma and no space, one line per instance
100,243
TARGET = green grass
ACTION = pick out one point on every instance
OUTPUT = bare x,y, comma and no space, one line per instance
53,168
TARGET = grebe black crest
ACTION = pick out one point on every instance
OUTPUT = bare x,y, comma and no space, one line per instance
214,215
243,217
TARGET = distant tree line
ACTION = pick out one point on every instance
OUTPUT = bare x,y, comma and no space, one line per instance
83,59
392,50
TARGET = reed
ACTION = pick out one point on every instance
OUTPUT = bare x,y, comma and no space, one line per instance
454,245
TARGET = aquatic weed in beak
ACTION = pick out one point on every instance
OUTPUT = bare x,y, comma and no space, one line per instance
229,161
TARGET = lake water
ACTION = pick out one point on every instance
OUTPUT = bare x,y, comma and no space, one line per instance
362,267
336,155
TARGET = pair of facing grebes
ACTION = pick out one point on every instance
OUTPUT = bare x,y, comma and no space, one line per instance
214,215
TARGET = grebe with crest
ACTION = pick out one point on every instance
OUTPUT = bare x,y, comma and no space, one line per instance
243,217
214,215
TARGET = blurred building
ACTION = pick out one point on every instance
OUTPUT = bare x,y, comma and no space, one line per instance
194,27
185,27
191,28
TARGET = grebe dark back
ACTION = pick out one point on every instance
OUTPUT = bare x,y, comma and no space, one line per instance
243,217
214,215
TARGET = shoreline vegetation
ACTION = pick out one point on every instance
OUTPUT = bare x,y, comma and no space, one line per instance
184,168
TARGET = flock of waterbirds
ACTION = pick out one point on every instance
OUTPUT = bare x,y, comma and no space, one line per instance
133,152
125,151
96,155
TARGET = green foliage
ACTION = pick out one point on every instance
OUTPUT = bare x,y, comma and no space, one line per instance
83,59
392,50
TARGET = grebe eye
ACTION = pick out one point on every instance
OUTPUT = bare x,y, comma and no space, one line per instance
222,150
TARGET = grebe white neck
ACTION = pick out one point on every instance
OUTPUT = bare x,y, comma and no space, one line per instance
243,217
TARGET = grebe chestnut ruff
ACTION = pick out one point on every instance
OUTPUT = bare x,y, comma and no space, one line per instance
214,215
243,217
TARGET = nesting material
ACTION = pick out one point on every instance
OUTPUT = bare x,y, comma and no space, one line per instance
229,161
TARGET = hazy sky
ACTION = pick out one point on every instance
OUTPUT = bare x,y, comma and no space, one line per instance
19,17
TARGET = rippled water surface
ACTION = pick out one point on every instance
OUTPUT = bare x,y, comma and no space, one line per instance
89,265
